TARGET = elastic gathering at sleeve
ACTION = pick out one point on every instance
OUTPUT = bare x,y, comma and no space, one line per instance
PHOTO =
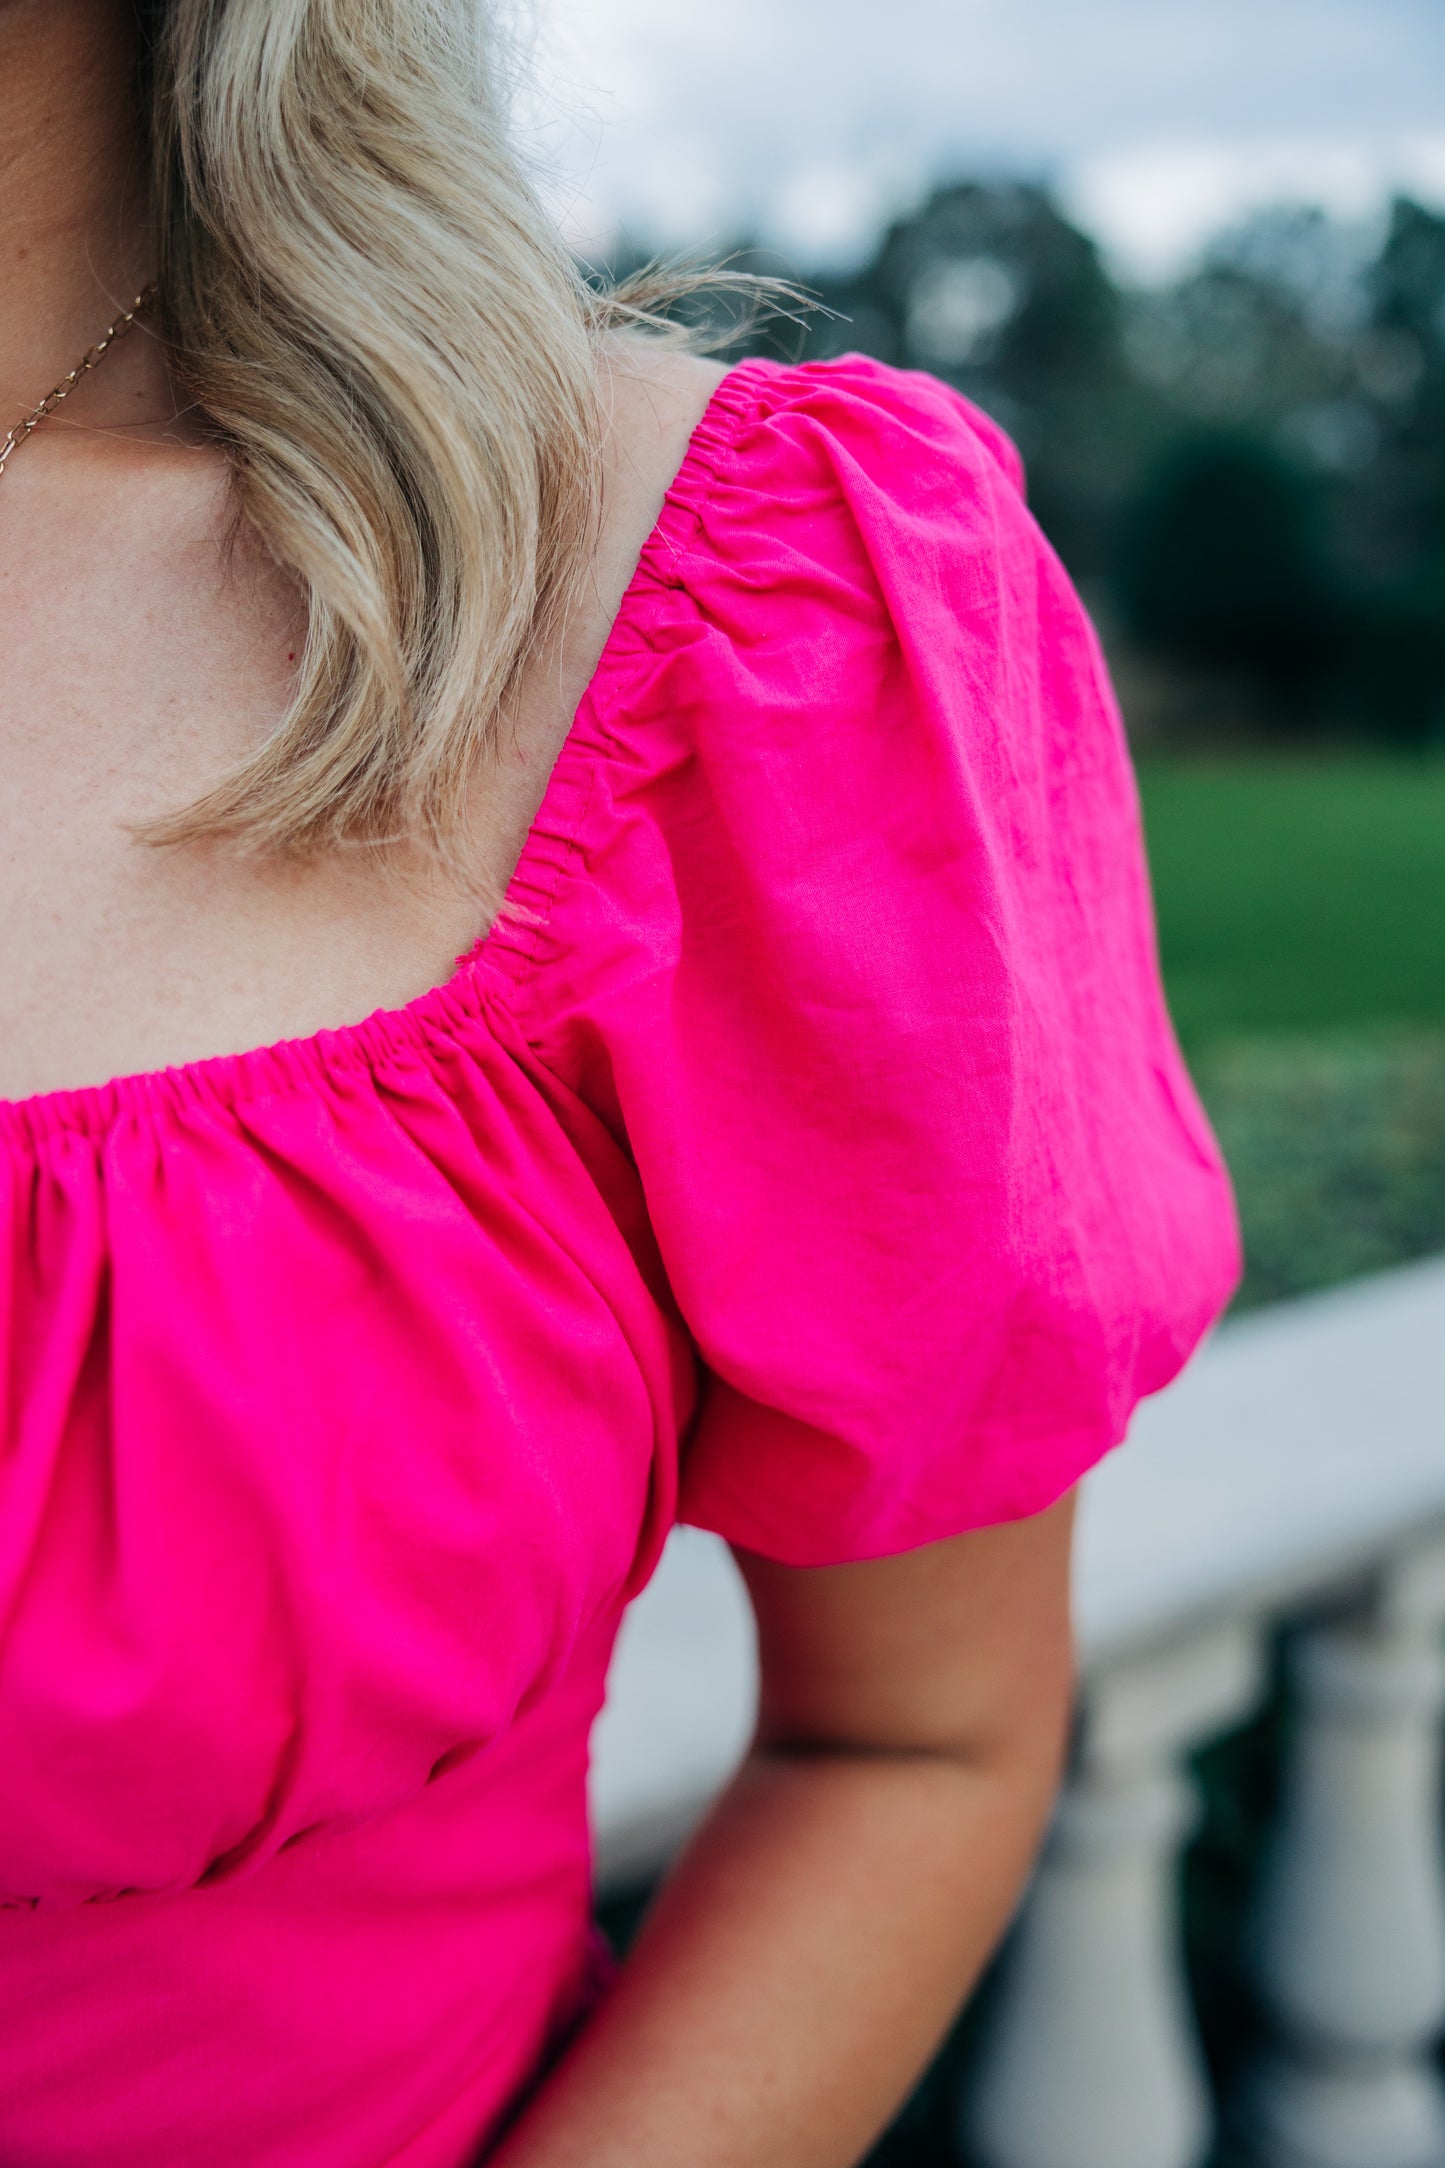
873,995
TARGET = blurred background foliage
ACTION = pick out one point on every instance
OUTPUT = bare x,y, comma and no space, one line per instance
1244,470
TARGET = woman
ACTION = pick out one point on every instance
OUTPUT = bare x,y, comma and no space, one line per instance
798,1148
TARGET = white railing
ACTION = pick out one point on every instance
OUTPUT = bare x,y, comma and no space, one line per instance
1294,1477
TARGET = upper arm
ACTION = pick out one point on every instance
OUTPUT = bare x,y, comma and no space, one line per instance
961,1647
857,966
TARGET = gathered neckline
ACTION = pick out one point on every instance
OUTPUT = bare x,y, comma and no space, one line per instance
507,945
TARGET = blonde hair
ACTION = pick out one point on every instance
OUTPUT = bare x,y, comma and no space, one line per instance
368,301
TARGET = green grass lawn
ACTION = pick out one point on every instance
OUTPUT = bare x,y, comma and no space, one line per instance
1302,923
1298,895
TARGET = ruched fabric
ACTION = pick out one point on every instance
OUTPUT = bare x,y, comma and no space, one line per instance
803,1152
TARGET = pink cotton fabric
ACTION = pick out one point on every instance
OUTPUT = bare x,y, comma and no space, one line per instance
804,1152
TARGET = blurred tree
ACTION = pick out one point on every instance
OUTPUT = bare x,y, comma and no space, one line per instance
991,288
1261,339
1402,361
1221,566
1245,467
1395,661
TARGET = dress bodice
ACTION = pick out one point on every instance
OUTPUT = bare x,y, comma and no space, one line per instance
803,1151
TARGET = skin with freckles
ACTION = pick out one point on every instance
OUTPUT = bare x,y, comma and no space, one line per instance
816,1939
141,658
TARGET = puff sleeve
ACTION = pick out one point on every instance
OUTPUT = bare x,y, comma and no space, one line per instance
870,990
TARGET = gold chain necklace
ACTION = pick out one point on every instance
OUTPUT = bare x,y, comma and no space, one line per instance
91,359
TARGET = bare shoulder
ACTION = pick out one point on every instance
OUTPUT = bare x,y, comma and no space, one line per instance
653,398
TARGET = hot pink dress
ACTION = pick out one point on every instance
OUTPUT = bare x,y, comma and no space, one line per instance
804,1153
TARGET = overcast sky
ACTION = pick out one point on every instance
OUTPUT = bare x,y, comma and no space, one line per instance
811,121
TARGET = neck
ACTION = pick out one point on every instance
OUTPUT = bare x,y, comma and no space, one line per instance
74,235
